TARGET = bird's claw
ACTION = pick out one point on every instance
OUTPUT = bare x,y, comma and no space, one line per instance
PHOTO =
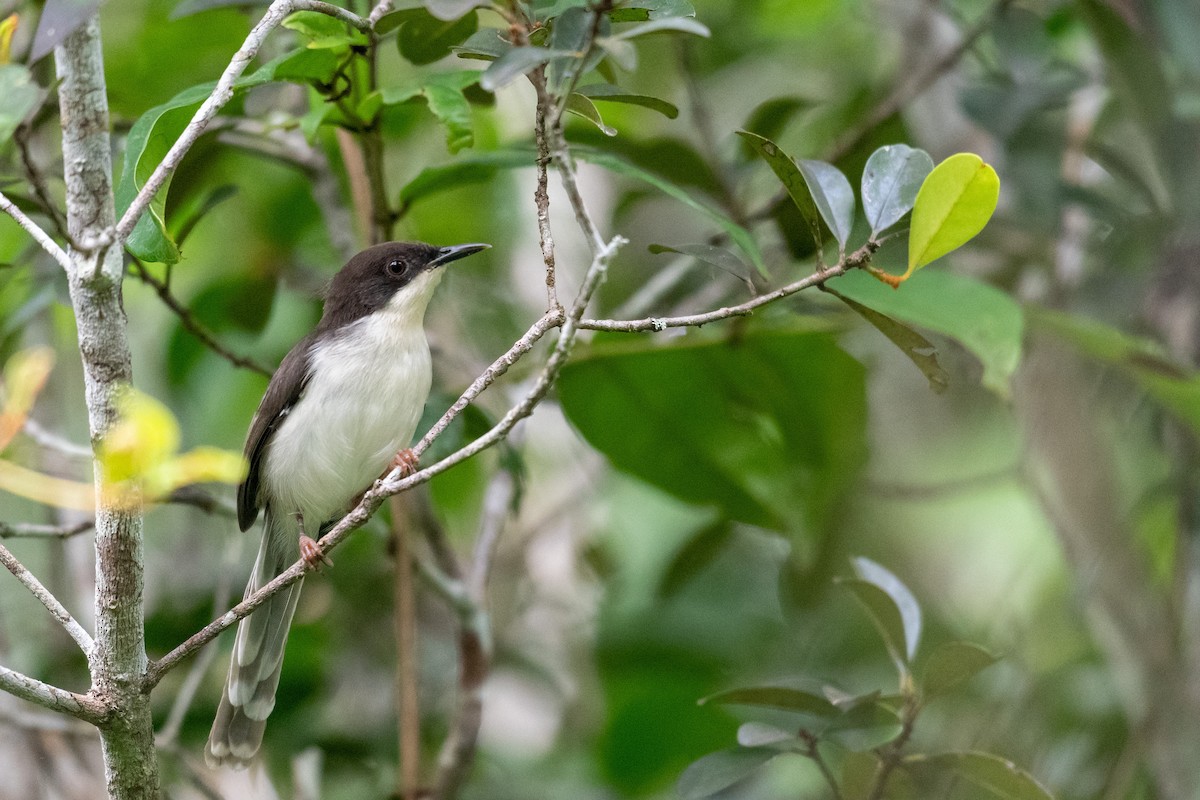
312,554
406,461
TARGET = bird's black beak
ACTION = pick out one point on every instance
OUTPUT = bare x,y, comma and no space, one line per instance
454,253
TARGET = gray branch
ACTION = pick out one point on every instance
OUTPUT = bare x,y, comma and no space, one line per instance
47,599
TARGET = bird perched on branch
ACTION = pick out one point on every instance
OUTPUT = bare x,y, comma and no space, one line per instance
335,416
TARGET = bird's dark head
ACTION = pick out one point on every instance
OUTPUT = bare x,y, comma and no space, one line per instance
399,276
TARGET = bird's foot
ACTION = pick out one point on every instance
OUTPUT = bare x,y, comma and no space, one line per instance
406,461
312,554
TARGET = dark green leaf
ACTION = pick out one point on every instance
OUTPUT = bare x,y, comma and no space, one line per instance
21,96
719,257
864,727
952,664
770,118
769,432
916,347
793,180
462,172
516,62
548,10
1134,70
998,775
890,183
486,44
740,235
883,612
59,19
425,39
906,604
720,770
394,19
780,697
696,554
642,10
981,318
607,93
189,216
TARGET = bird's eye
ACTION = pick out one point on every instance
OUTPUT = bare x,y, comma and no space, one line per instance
395,267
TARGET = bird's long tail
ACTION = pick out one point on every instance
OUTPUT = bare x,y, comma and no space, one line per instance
249,695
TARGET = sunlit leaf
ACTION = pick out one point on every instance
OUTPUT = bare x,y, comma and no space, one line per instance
24,376
954,204
201,465
321,30
906,603
757,734
999,776
890,183
780,697
145,435
952,664
983,319
720,770
7,27
21,96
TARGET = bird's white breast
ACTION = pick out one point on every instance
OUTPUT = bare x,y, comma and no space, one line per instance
367,389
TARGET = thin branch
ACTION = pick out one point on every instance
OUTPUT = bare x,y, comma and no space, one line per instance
497,505
191,324
337,12
84,707
855,260
407,678
33,530
378,12
47,598
39,721
813,753
38,181
35,230
541,195
52,441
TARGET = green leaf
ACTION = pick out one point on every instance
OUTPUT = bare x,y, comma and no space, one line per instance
998,775
983,319
581,106
952,664
696,554
756,734
916,347
449,10
834,198
890,183
864,727
425,39
769,432
780,697
741,237
322,31
607,93
516,62
465,171
486,44
954,204
1174,386
719,257
793,180
664,24
21,96
720,770
642,10
906,604
883,612
156,130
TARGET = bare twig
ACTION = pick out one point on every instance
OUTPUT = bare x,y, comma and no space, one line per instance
84,707
47,598
35,230
52,441
39,721
34,530
497,505
813,753
193,325
404,618
541,195
37,180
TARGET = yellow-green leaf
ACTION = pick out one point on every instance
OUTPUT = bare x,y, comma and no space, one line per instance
202,465
144,437
956,200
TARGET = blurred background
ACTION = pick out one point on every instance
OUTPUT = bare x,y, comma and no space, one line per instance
685,502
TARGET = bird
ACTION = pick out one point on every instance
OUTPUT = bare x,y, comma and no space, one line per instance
339,412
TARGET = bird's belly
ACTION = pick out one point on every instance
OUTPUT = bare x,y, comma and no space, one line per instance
361,405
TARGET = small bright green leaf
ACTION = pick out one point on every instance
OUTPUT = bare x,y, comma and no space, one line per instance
906,603
793,180
737,233
954,204
780,697
424,38
322,31
664,24
607,93
834,198
1176,387
642,10
720,770
952,664
516,62
201,465
916,347
998,775
583,107
983,319
464,171
21,96
883,612
144,436
890,183
719,257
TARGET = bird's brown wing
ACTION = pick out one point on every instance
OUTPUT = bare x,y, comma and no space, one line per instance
285,388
